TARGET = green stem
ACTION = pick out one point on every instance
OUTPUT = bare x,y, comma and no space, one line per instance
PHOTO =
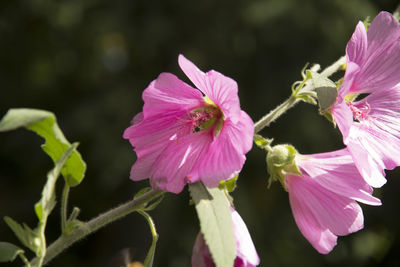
275,113
148,262
293,100
64,208
25,260
95,224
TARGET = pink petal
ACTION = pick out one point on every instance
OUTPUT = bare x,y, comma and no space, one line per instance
356,48
245,249
385,111
175,162
339,214
222,90
150,137
225,156
201,256
373,151
379,70
343,117
168,93
336,172
320,238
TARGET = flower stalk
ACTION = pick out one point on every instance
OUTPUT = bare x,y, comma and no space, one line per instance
294,99
66,240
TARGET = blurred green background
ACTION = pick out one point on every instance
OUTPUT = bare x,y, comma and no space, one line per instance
89,61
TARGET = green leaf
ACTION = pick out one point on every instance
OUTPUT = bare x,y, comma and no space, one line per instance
148,262
230,184
44,124
326,90
26,235
8,252
262,142
216,225
46,204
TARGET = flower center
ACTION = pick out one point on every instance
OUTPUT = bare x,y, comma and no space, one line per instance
360,110
204,118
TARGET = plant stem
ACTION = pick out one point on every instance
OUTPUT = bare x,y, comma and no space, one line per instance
94,224
64,208
275,113
293,99
148,262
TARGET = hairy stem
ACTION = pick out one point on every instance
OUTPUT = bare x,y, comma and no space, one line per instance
66,240
293,99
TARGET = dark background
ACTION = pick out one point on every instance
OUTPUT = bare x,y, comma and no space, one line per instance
89,61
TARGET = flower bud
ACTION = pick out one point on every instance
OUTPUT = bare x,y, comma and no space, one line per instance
281,161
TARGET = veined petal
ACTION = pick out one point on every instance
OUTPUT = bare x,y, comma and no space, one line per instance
343,117
341,215
172,166
336,172
225,154
379,70
168,93
322,239
356,48
222,90
384,112
373,151
150,137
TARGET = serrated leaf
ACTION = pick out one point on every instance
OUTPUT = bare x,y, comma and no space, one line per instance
8,252
325,88
44,124
25,234
216,225
46,204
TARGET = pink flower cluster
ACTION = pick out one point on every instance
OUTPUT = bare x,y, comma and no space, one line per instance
185,135
323,199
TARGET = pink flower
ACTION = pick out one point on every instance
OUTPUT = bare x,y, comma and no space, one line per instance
188,135
246,254
371,126
323,199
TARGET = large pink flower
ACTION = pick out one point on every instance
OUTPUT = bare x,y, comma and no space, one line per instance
323,199
188,135
246,254
371,126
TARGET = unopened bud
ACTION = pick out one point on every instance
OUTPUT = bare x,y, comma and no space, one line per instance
281,161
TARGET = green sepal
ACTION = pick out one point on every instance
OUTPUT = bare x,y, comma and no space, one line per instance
261,141
229,185
8,252
45,125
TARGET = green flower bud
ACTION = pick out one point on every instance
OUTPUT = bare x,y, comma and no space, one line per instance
281,161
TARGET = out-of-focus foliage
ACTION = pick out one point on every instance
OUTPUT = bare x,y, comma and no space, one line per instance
89,61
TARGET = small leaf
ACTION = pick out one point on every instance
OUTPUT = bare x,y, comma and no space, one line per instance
26,235
230,184
215,222
261,141
8,252
148,262
325,88
44,124
46,204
